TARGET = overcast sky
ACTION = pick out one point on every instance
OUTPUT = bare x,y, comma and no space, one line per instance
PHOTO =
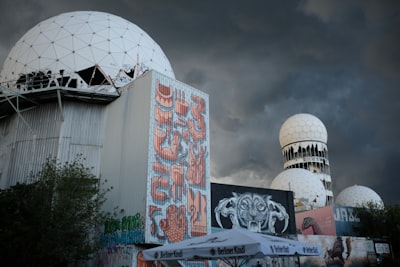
264,61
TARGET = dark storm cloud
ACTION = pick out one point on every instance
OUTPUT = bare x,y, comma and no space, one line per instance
265,61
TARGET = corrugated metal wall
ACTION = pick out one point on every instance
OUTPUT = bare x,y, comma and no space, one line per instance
82,133
26,143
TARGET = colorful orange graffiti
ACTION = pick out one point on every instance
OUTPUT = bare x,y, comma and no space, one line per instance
141,262
198,213
178,204
175,223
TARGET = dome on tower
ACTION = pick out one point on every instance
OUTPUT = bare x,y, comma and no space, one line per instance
358,196
302,127
306,186
92,47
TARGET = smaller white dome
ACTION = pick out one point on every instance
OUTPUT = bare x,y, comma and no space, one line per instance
302,127
358,196
306,186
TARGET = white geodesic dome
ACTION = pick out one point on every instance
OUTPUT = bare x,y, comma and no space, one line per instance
358,196
82,41
302,127
306,186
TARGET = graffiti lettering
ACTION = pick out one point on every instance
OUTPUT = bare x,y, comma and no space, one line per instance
345,214
122,238
111,226
127,231
126,223
131,222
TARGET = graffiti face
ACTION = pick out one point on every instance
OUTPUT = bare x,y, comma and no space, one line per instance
252,211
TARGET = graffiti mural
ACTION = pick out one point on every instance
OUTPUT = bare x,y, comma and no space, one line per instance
178,172
339,251
125,231
346,219
141,262
252,211
118,256
259,210
316,222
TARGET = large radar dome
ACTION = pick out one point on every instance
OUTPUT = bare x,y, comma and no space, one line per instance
84,44
302,127
307,187
358,196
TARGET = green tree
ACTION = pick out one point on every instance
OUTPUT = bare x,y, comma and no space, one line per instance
381,223
53,220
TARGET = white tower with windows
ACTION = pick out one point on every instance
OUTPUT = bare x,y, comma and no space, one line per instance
303,139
